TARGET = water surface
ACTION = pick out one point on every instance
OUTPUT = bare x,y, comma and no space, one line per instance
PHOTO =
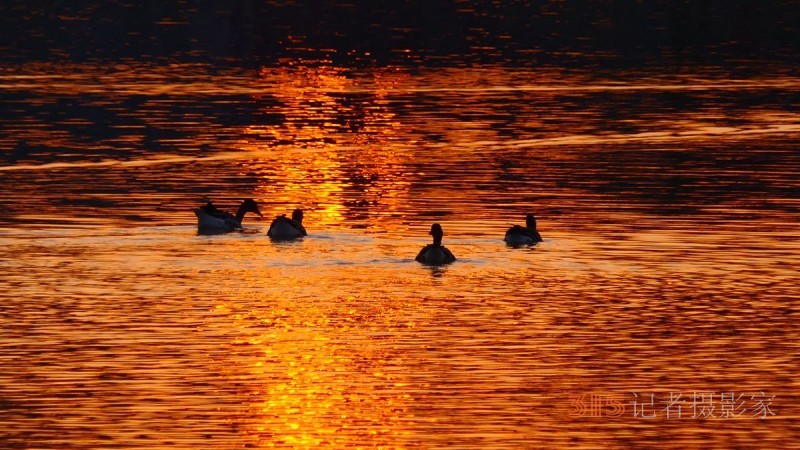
668,204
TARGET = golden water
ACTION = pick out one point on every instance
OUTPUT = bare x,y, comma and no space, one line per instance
668,205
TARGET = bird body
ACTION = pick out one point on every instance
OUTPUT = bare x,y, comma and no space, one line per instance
435,254
517,235
285,229
211,220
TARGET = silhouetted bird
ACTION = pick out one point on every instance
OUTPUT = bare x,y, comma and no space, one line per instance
435,254
517,236
211,220
284,229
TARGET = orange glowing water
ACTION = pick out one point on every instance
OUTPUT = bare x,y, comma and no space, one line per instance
668,207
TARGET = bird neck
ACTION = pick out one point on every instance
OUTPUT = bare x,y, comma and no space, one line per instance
240,213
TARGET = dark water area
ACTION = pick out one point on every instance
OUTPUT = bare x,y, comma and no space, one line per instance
596,33
623,138
656,143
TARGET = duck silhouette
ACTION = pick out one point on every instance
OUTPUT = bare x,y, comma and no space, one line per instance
285,229
435,254
211,220
517,236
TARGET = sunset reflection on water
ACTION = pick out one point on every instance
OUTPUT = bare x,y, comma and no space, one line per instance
668,207
295,369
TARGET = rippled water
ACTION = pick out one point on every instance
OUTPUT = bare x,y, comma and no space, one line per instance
668,204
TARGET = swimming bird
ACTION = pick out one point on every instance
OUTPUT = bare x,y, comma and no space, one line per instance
211,220
284,229
435,254
517,236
